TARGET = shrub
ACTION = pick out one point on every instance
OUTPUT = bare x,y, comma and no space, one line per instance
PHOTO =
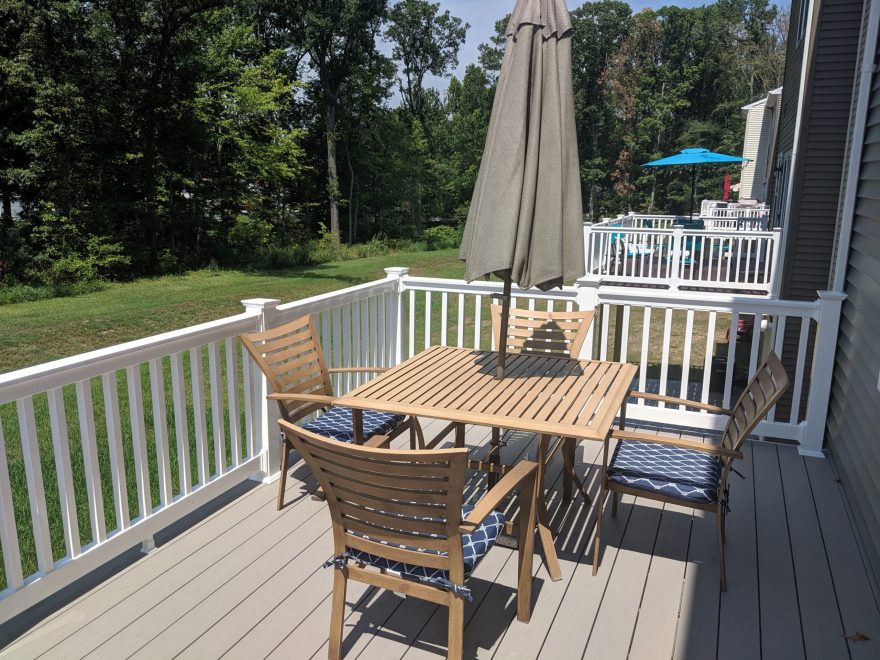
442,238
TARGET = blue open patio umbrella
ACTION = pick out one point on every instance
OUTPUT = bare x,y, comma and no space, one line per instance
694,157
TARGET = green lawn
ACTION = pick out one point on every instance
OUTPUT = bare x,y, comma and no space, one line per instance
37,332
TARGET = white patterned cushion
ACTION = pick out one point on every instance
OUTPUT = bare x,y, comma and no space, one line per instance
336,423
686,474
474,547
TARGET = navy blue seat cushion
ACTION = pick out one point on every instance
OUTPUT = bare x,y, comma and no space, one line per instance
336,423
686,474
474,547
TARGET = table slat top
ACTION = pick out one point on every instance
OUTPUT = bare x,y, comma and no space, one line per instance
538,394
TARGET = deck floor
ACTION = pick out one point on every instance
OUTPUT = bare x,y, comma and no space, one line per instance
246,582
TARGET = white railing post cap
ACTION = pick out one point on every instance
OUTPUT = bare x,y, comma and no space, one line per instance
832,295
260,304
397,271
592,280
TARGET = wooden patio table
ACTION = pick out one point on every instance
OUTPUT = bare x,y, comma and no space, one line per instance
546,395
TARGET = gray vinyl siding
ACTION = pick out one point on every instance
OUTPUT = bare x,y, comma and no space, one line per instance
854,412
791,84
819,166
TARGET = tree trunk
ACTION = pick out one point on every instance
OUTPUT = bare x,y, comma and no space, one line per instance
332,172
6,218
350,195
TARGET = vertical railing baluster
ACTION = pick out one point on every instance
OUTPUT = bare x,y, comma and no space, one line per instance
196,373
217,412
232,401
88,440
114,442
35,489
160,431
707,358
8,530
64,475
181,424
139,439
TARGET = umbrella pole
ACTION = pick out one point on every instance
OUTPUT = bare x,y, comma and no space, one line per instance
693,190
505,318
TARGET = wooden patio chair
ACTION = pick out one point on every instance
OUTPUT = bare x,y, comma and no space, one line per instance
399,523
688,472
554,334
291,358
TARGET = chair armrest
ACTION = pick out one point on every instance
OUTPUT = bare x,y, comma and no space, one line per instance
357,370
490,501
684,402
307,398
676,442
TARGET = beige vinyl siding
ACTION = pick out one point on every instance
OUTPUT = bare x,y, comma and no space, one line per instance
854,413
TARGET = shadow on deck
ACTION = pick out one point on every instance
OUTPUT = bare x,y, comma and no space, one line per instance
245,581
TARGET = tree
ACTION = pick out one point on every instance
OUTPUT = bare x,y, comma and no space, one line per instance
337,35
425,41
492,54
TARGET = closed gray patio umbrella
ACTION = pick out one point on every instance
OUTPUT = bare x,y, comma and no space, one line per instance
526,217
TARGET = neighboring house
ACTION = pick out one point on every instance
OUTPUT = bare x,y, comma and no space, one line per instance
762,120
826,194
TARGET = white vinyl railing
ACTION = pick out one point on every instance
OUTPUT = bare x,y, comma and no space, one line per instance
683,258
111,446
702,346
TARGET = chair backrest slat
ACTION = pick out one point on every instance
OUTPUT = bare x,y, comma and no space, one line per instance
292,359
763,392
380,499
543,333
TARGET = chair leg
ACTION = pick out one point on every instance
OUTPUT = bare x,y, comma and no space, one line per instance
282,481
337,614
721,565
526,551
455,633
615,499
568,453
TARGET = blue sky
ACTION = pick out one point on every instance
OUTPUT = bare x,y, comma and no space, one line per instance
482,14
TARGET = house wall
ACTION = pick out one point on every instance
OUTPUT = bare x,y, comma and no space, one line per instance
812,219
853,432
760,126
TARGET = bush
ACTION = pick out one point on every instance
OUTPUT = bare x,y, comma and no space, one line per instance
442,238
21,293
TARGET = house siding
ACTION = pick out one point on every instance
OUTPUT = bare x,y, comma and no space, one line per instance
852,434
812,220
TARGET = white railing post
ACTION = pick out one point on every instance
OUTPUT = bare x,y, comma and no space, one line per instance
587,290
675,263
588,256
775,282
397,317
828,322
266,440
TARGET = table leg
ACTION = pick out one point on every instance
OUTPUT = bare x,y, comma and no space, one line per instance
459,436
544,532
494,456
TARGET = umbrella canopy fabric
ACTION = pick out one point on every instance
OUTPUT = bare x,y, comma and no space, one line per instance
526,216
695,157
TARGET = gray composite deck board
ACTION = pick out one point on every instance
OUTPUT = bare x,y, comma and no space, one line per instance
247,582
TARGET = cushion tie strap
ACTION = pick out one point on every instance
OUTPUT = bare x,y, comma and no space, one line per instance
737,472
338,561
459,590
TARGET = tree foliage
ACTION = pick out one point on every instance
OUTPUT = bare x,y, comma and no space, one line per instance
146,136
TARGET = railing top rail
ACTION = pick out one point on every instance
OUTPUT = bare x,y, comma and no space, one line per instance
485,288
331,299
665,231
625,295
39,378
